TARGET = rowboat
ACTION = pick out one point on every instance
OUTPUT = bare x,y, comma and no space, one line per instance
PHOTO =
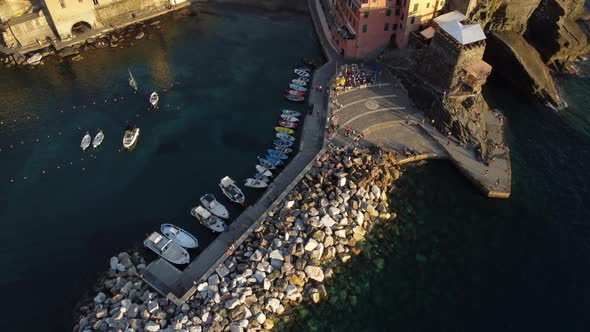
288,124
34,59
154,98
132,81
98,139
277,154
266,164
130,137
253,183
294,92
261,177
231,191
166,248
301,73
289,118
284,130
284,150
262,170
291,113
294,98
179,236
208,220
279,143
297,87
285,137
211,204
304,68
299,82
86,141
271,160
304,79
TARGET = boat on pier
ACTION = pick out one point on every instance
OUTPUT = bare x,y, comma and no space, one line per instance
211,204
208,220
166,248
231,191
179,236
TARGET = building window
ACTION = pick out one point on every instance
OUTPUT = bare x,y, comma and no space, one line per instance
394,27
398,2
412,19
386,27
364,28
62,3
401,26
388,12
95,2
397,12
415,7
428,5
366,14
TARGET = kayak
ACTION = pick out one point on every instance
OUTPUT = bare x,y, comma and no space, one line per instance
284,130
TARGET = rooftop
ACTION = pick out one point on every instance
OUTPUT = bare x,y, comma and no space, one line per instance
450,17
464,34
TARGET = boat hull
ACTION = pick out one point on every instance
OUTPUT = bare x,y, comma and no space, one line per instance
214,206
284,130
256,184
179,236
262,170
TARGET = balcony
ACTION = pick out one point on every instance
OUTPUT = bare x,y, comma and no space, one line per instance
346,31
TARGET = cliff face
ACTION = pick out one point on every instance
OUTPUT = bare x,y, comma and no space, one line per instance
502,15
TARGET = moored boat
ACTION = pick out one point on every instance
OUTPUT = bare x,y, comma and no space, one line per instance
261,177
254,183
130,138
285,137
154,98
297,87
35,59
266,164
86,141
279,143
291,113
211,204
301,73
273,160
208,220
289,118
262,170
98,139
166,248
132,81
303,68
288,124
231,191
284,130
308,62
284,150
299,81
179,236
277,154
294,92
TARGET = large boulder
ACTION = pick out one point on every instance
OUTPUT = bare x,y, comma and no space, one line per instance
315,273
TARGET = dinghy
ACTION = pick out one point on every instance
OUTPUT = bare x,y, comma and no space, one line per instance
257,184
132,81
261,177
98,139
166,248
294,98
285,137
208,220
294,92
272,160
297,87
291,113
130,137
34,59
288,124
284,130
262,170
154,98
298,81
231,191
86,141
279,143
303,68
179,236
301,73
211,204
304,79
277,154
289,118
266,164
284,150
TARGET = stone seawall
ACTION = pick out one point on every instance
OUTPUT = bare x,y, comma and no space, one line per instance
285,261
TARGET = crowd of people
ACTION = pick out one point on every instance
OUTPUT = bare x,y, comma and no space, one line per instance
354,76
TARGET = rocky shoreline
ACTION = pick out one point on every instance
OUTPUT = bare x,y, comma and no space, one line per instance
319,225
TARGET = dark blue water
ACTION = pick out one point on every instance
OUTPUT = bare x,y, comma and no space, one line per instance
64,212
456,261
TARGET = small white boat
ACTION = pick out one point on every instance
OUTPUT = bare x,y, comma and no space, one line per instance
289,118
208,220
132,81
34,59
262,170
98,139
291,113
301,73
254,183
166,248
130,137
231,191
299,81
179,236
86,141
154,98
211,204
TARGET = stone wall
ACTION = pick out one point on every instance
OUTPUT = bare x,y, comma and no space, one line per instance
64,18
27,32
10,8
120,10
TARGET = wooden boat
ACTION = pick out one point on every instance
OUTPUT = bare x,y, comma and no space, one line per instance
284,130
284,150
231,191
289,118
277,154
86,141
179,236
257,184
299,81
35,59
266,164
291,113
285,137
211,204
132,81
262,170
98,139
288,124
294,98
294,92
130,138
301,73
208,220
166,248
279,143
297,87
154,98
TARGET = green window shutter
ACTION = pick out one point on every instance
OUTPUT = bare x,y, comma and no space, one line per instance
364,28
388,12
366,14
386,27
415,7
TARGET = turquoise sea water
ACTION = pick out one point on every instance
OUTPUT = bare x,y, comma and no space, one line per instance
64,212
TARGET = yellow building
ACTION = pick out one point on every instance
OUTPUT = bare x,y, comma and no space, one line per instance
415,14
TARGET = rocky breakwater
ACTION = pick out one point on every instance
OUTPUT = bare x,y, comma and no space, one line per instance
286,260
